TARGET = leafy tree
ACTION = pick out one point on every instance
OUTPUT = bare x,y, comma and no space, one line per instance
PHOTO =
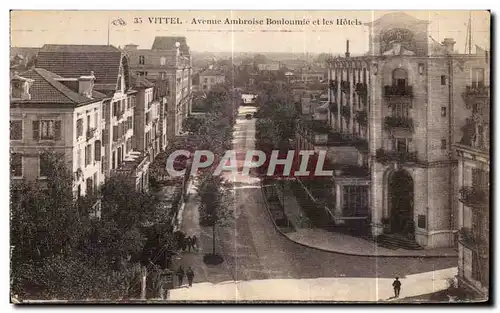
216,207
58,251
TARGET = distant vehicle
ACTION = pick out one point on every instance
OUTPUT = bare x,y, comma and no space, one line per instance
248,116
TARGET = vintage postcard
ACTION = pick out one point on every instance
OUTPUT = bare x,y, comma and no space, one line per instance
250,156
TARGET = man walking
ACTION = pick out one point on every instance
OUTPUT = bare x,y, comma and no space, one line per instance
180,275
189,243
190,276
194,241
397,287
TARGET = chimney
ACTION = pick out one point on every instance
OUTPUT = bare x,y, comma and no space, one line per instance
449,43
347,54
86,84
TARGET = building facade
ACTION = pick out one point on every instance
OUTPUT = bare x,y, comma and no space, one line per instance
473,181
168,59
52,114
209,79
112,78
405,98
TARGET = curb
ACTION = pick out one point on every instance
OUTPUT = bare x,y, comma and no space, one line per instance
343,252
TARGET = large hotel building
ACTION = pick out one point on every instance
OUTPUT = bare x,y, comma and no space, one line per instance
413,114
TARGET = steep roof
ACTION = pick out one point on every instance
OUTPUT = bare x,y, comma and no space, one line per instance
168,43
46,89
80,60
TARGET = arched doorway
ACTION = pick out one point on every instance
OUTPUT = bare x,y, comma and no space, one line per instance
400,200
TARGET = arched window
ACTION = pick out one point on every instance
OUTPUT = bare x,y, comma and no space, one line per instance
399,77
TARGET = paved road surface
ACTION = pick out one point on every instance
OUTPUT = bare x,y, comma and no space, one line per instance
259,251
255,251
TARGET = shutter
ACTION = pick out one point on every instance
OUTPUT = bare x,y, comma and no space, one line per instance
36,130
97,150
57,130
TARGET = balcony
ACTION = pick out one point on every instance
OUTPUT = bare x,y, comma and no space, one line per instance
361,89
398,91
90,133
335,139
477,94
473,196
477,91
385,156
362,118
393,122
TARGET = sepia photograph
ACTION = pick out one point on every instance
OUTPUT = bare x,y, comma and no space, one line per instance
243,156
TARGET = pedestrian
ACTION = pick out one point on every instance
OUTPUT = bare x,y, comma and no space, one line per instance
397,287
190,276
188,243
194,242
180,275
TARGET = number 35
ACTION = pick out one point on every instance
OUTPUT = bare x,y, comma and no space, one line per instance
137,20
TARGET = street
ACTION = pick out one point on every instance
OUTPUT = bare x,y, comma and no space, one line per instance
254,250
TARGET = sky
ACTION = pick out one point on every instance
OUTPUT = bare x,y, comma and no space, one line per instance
36,28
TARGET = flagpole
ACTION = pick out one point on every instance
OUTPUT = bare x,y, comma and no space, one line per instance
108,29
470,32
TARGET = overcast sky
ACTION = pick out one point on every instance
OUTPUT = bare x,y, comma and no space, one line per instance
36,28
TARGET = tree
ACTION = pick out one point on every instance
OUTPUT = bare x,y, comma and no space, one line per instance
50,236
215,209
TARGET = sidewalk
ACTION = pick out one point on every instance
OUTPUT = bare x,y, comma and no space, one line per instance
342,243
343,289
188,222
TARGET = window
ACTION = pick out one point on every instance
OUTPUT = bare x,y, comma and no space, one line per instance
480,178
90,185
113,160
163,60
96,120
88,154
399,77
402,144
47,130
89,126
400,110
443,80
443,144
443,111
142,60
79,128
16,164
97,150
205,80
16,130
44,165
356,200
478,77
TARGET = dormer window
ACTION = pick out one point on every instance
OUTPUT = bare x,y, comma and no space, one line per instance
20,87
17,89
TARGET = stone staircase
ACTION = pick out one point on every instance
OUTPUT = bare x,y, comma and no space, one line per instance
394,241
